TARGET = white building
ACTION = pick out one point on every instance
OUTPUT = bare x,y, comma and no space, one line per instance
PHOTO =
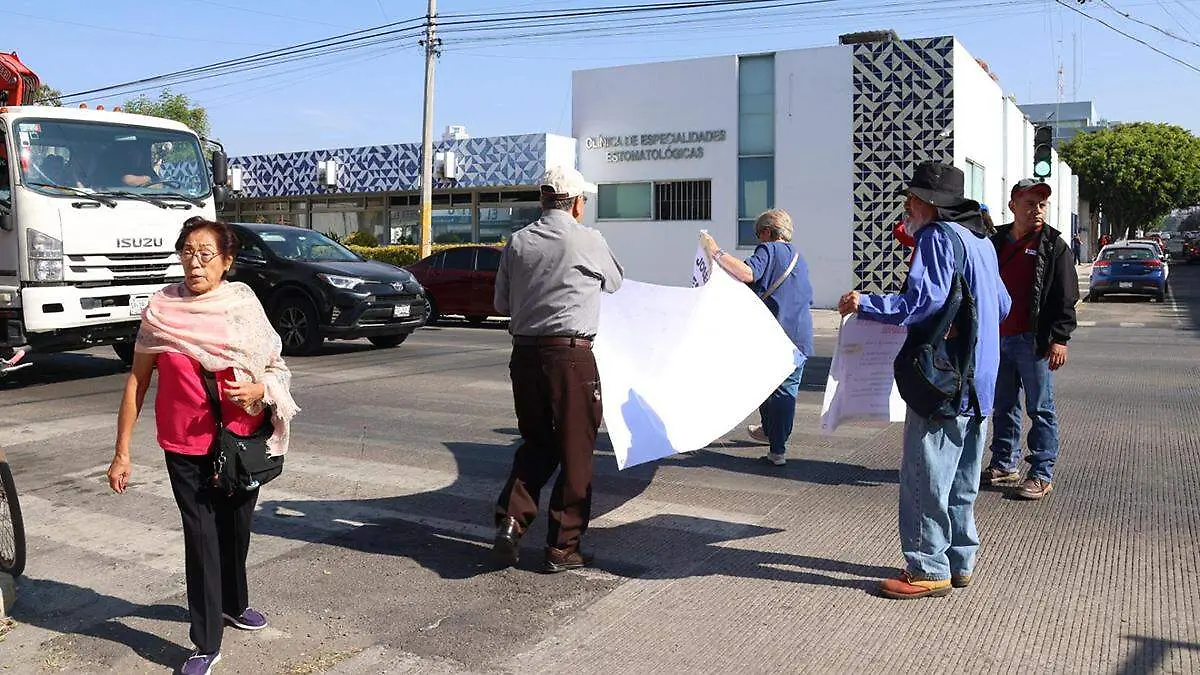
830,134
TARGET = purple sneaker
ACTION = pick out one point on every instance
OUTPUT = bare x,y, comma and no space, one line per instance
199,664
251,619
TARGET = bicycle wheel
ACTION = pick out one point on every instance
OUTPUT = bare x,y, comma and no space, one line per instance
12,528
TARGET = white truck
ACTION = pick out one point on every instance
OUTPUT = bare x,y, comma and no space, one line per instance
91,203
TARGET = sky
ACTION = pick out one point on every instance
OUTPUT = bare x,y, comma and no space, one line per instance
519,83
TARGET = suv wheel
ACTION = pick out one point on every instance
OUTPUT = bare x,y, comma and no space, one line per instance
431,311
385,341
296,322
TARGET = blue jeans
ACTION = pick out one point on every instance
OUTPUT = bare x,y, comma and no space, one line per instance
939,481
779,411
1020,368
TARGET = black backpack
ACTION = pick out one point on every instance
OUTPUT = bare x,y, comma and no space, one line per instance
933,371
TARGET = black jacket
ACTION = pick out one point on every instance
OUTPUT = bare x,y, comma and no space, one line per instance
1055,288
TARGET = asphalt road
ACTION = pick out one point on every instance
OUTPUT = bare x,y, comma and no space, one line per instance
371,552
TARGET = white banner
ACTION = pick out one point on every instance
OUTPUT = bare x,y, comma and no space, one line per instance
861,386
680,367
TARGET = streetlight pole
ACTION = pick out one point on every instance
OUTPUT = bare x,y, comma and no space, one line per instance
431,53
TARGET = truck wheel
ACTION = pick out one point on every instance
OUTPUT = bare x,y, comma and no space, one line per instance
124,352
386,341
296,322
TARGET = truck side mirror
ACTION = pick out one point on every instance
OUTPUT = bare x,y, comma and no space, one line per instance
220,168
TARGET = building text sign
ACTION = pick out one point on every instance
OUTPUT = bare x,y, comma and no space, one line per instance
649,147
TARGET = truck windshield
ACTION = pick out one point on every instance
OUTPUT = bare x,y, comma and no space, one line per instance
102,157
307,246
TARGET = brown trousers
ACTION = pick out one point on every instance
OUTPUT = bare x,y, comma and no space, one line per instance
556,390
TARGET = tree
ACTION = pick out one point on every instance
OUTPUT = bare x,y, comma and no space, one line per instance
47,95
1191,223
1136,173
172,106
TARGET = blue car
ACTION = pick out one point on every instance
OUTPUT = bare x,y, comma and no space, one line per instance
1128,270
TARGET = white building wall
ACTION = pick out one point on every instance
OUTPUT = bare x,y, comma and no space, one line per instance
680,96
1018,143
814,162
978,123
560,151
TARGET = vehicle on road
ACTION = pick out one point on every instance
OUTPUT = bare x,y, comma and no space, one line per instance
91,202
460,281
315,289
1128,269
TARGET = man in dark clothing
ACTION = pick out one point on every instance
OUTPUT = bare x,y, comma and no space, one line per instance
1037,269
549,282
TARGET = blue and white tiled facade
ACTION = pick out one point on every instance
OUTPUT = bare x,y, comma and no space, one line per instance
490,162
903,108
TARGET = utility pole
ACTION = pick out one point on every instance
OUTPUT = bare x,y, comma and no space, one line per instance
431,52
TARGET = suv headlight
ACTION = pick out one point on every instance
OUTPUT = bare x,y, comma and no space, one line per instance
45,256
346,283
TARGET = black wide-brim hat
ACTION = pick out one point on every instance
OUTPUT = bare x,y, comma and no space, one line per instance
939,184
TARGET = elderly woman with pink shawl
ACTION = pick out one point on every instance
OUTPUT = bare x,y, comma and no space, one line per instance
207,324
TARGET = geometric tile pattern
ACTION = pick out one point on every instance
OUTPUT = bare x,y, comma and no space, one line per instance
903,115
499,161
190,176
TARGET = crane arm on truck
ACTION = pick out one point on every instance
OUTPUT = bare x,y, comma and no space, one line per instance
18,84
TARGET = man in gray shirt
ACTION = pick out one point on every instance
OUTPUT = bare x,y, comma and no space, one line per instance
550,280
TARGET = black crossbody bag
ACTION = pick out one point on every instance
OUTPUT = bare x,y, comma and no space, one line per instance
239,463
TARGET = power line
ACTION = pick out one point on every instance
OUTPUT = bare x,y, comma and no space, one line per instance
126,31
1140,41
361,37
1164,31
248,10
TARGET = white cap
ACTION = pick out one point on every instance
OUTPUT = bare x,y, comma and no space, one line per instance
566,182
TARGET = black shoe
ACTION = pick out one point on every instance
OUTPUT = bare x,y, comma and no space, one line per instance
507,545
558,560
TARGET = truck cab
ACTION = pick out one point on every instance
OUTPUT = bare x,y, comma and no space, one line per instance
91,203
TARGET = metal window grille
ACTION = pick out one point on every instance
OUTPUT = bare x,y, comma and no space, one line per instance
683,200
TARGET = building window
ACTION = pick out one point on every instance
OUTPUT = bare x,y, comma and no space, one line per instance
683,200
624,201
756,142
662,200
975,176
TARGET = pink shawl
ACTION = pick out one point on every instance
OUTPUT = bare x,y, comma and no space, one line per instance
224,328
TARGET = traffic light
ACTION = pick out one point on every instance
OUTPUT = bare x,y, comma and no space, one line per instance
1043,155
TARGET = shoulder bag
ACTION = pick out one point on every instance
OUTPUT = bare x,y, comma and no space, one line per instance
240,463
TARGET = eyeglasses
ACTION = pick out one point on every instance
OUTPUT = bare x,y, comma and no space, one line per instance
205,257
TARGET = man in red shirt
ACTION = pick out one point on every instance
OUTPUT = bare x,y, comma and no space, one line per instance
1039,272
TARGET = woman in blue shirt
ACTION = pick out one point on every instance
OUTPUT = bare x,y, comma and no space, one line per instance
778,274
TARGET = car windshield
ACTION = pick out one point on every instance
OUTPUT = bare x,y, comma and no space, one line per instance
63,156
1123,254
306,246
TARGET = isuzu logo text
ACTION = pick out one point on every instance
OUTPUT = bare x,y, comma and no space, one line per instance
139,242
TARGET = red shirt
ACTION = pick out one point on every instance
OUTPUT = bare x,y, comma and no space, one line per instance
182,412
1018,267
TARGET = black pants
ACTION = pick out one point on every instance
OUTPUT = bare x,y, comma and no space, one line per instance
557,395
216,540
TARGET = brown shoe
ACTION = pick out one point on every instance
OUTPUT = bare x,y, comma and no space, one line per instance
906,587
997,476
507,545
960,580
559,560
1034,488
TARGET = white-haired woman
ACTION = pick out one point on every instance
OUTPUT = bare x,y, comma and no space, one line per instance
778,274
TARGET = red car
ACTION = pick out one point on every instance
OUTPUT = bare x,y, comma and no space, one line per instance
459,281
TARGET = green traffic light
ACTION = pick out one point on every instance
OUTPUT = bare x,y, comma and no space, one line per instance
1041,169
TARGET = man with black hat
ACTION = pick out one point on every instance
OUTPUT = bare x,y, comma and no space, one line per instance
550,279
1036,266
941,457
